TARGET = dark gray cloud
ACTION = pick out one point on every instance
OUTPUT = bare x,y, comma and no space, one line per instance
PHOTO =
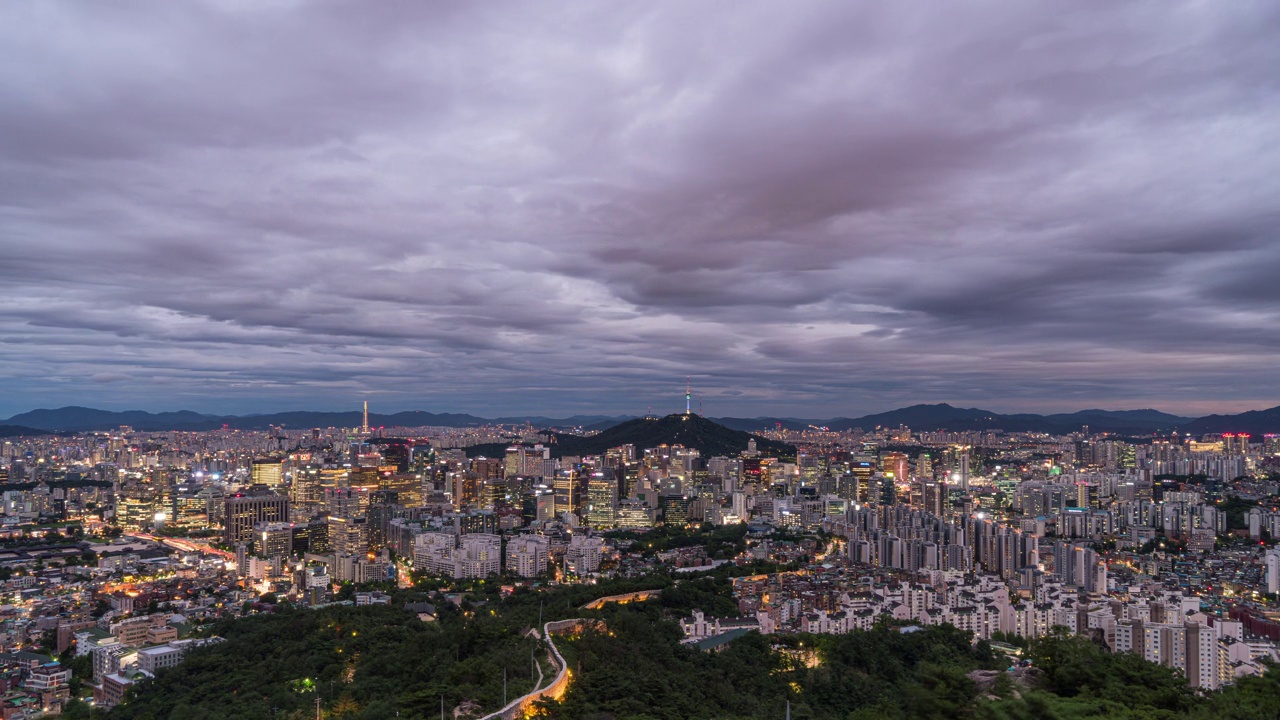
816,209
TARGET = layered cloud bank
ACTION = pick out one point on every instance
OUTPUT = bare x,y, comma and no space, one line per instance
816,209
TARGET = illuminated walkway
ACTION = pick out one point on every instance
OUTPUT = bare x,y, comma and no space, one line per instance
640,596
523,706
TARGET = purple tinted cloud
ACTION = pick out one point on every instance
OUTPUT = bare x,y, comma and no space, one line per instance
828,208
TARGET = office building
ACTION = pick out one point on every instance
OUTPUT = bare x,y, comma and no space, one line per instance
243,511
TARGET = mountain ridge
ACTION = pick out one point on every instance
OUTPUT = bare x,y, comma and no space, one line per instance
920,417
693,431
7,431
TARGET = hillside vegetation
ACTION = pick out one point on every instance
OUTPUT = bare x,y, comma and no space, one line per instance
692,431
375,662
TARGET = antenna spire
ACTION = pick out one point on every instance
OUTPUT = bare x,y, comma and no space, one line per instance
688,395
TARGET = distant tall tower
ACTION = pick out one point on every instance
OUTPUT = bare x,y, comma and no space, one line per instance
365,427
1272,559
688,396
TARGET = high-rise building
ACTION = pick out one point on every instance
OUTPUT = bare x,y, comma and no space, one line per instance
569,487
675,510
934,497
602,498
307,489
345,502
348,535
478,555
1273,570
273,539
466,490
583,555
634,514
924,466
242,511
895,464
1271,444
268,472
397,453
527,555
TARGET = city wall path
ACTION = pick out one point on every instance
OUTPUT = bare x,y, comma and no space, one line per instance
523,706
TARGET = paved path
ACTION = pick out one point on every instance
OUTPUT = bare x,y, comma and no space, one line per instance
521,706
639,596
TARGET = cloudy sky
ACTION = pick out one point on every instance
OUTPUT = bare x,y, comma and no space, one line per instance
814,209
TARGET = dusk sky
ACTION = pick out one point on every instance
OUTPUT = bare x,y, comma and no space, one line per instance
814,209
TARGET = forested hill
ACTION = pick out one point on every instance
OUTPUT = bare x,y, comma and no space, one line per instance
20,431
692,431
637,669
367,662
382,662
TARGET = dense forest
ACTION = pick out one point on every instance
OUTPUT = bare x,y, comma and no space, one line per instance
372,662
375,662
367,662
637,670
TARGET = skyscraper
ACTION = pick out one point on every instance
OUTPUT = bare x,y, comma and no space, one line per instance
602,497
934,497
244,511
268,472
1273,571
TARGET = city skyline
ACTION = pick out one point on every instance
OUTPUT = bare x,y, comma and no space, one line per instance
834,210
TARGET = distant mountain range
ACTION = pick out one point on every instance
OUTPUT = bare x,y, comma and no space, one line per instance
943,416
946,417
1254,422
78,419
917,417
20,431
